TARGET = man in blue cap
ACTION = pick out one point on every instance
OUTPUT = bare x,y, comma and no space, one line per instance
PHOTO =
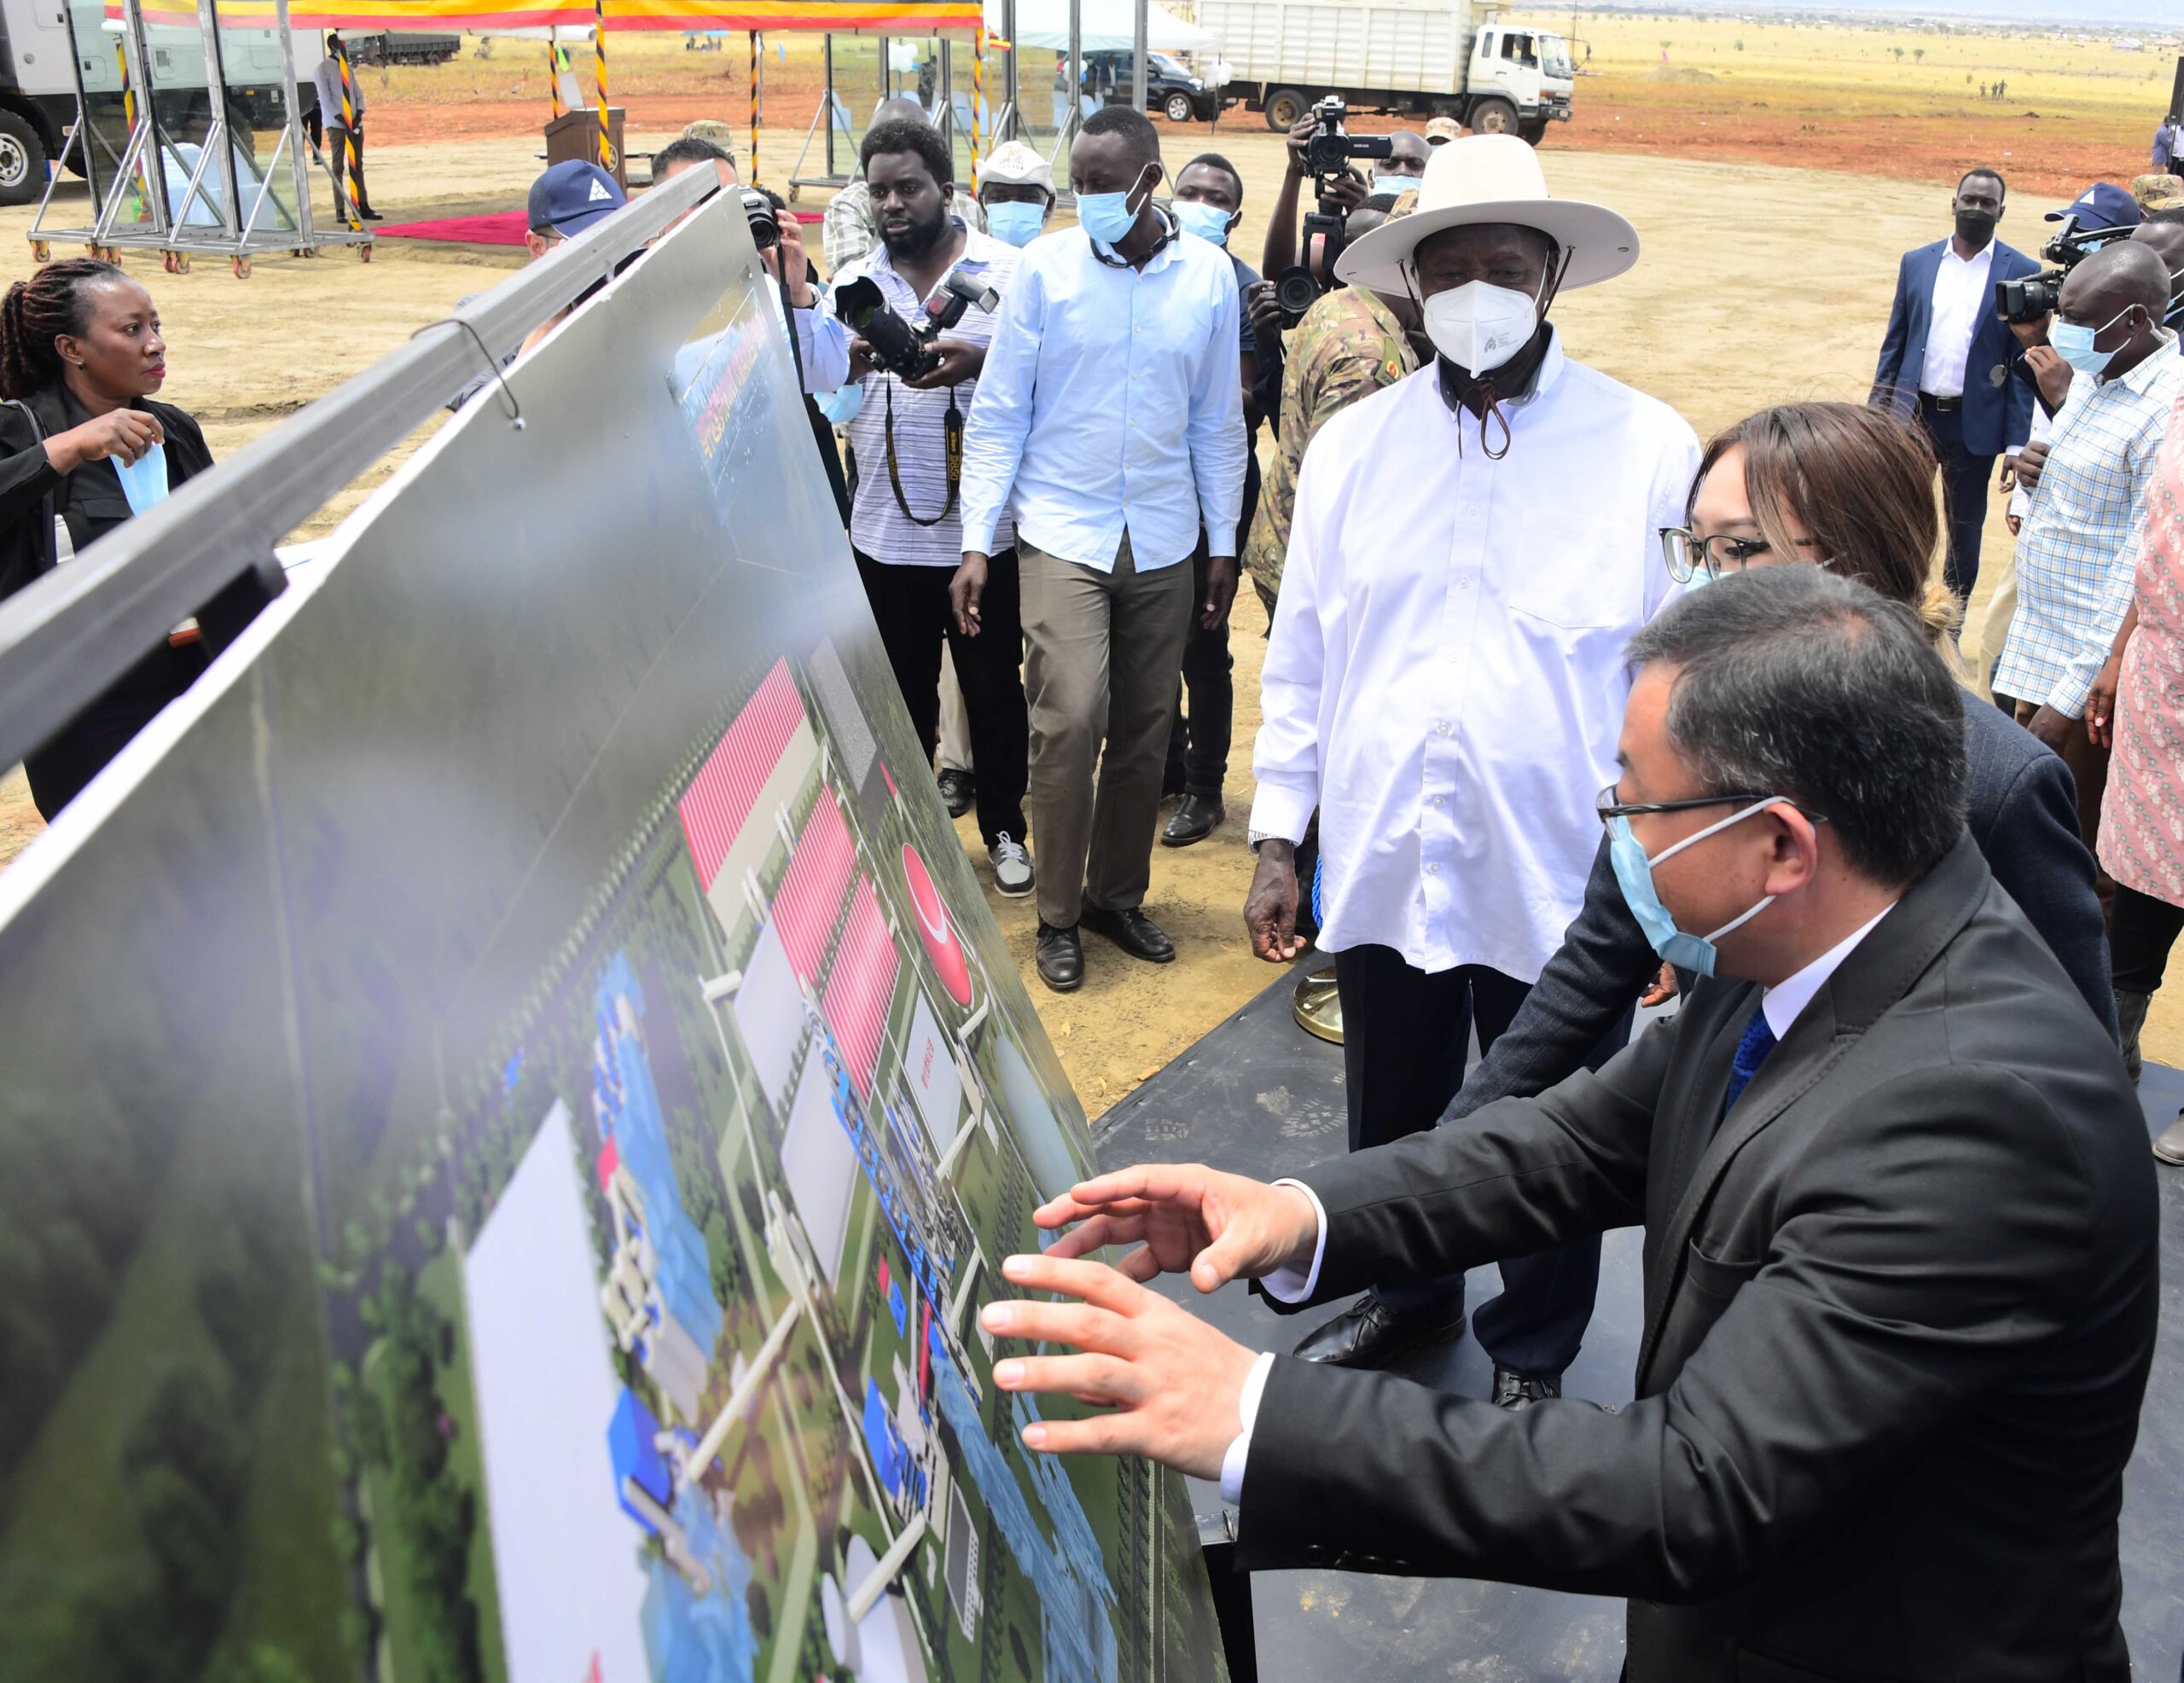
569,198
1950,361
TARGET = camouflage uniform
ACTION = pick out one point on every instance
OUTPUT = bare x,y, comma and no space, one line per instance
1347,347
847,232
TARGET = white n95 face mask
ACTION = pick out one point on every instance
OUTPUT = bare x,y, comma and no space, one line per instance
1478,326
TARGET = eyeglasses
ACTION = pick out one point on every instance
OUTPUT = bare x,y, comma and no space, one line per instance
1608,807
1688,554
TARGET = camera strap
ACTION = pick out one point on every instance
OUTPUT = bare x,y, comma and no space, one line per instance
952,425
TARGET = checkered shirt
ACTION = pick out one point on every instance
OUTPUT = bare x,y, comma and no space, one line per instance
2078,550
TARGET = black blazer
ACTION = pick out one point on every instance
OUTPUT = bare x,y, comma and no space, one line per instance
2021,808
91,502
1900,1306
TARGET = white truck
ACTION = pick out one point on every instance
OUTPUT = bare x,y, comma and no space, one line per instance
37,82
1427,58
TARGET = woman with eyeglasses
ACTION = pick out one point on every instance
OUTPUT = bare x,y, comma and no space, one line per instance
1850,488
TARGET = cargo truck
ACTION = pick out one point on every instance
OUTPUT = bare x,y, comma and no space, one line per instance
1420,58
37,83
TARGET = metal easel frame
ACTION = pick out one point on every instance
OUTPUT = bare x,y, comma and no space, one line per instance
240,233
837,177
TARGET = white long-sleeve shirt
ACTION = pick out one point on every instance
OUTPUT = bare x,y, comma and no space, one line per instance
1445,682
327,80
1110,402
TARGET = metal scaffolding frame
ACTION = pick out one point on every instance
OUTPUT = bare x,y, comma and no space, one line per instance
129,190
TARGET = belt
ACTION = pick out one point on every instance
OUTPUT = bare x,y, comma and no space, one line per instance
1940,405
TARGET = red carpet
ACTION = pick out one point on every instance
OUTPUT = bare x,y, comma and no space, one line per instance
502,227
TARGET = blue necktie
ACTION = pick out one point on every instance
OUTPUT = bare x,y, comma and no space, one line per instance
1752,1052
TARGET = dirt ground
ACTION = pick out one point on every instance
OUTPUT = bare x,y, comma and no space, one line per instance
1760,283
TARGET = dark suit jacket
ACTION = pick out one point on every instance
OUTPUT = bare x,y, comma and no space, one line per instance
1998,391
2021,808
1900,1306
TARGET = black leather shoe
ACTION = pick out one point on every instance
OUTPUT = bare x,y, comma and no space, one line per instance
1514,1391
1193,820
959,791
1368,1333
1061,959
1135,933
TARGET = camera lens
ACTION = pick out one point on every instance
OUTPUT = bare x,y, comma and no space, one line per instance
1296,291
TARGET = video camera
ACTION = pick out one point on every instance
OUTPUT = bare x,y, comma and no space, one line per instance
899,348
2035,297
1328,157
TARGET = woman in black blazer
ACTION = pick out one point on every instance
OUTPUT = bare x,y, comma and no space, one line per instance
82,448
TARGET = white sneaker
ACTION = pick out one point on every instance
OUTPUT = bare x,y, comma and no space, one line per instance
1011,866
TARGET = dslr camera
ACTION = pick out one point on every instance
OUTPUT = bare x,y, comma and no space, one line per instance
2035,297
1328,157
898,347
765,225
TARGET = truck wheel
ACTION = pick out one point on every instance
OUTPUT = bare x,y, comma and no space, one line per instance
1534,131
1179,108
22,159
1284,106
1494,117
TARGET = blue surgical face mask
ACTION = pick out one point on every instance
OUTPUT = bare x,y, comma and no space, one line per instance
1015,223
1208,222
2074,344
1108,218
1634,871
144,482
1393,185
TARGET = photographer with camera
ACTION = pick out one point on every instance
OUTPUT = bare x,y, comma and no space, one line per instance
911,319
2078,549
1323,152
1350,344
1949,362
1471,550
850,227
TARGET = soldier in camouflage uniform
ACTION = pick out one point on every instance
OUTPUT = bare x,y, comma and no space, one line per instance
1348,346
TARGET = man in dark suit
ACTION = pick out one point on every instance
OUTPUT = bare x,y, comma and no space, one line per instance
1950,361
1901,1231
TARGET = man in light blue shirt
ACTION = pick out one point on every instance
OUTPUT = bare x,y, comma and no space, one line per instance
1109,419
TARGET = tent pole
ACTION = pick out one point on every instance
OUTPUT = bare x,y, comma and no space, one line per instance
827,48
1076,95
1006,129
1137,68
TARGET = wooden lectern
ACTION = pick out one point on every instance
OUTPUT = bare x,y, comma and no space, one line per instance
575,135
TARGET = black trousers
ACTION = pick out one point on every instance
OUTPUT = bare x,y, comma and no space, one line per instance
1405,1034
1206,710
1965,476
911,604
2141,930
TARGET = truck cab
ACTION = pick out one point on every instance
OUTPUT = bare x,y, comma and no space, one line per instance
1521,73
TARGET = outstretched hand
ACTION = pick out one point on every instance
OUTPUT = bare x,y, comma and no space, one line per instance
1173,1386
1185,1218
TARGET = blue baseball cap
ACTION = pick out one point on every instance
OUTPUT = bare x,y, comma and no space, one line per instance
572,195
2103,205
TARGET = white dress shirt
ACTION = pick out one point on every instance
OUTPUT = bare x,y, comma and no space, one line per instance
1445,682
1111,401
1783,1004
879,527
1962,297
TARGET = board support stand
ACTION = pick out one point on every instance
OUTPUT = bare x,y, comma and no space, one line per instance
223,213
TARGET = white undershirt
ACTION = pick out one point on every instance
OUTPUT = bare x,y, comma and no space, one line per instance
1960,295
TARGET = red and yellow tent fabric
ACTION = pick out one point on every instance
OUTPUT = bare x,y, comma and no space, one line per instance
871,17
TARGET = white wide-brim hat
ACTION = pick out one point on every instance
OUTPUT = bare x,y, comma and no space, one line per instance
1489,178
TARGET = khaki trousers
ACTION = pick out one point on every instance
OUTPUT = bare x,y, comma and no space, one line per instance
1103,653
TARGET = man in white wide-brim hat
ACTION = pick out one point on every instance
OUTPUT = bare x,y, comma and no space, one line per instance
1470,551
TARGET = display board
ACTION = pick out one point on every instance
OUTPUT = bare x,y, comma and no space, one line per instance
515,1100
